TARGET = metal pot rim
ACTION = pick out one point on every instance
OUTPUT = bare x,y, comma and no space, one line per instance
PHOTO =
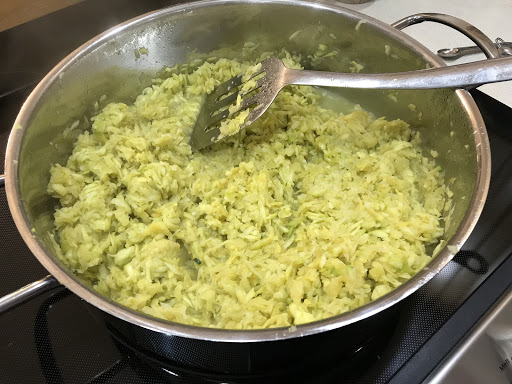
228,335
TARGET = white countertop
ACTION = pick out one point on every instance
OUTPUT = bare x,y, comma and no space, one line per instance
493,17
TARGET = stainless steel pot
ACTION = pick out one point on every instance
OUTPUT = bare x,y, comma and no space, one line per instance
108,68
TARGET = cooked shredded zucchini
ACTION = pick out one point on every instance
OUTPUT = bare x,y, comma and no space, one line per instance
306,214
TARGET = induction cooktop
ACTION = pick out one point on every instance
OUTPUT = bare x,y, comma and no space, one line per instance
59,338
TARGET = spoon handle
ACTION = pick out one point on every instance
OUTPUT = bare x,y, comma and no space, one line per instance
456,76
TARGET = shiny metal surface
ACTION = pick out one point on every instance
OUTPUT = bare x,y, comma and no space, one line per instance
354,1
480,38
107,66
456,76
2,180
276,76
485,354
456,53
504,48
27,292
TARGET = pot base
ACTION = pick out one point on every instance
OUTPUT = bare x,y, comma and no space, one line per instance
353,346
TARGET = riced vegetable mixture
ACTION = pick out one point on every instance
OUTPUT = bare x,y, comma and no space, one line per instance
304,215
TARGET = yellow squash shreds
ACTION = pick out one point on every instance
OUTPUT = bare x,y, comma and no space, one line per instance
306,214
236,120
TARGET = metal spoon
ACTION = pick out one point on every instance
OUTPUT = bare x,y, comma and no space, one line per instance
276,76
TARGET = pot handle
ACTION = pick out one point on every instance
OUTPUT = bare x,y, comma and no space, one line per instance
504,47
477,36
26,293
12,300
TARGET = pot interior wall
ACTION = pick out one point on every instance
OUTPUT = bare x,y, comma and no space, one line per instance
113,69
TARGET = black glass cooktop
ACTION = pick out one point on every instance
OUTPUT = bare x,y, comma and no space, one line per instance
58,338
